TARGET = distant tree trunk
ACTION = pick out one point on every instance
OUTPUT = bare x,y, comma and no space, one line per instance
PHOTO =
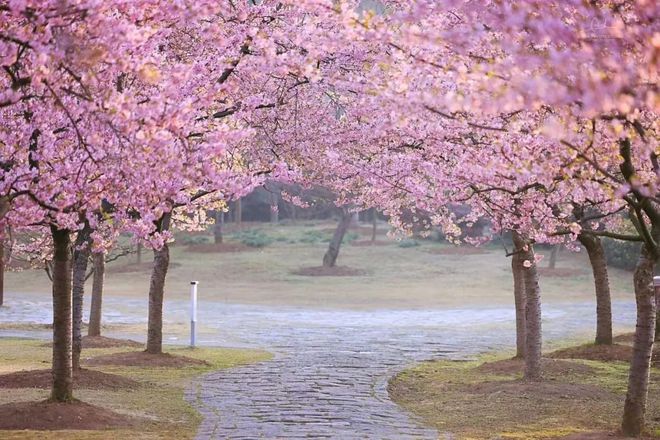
598,262
238,212
519,297
62,367
553,256
218,227
294,213
97,295
139,253
274,211
374,224
156,293
80,259
2,273
330,257
640,365
533,331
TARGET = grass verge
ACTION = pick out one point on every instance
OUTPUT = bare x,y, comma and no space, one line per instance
158,400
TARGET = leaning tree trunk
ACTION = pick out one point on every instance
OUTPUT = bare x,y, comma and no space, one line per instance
2,273
519,296
598,262
62,368
97,295
640,365
218,227
533,332
330,257
80,259
553,256
156,292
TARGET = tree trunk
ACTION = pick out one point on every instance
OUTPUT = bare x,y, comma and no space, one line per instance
274,208
97,295
80,258
374,224
533,331
139,253
553,256
156,292
218,227
519,296
62,368
330,257
657,315
2,273
598,262
640,365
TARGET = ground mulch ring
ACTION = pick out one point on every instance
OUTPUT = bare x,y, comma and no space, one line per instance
458,250
57,416
212,248
87,379
103,342
551,367
322,271
604,353
144,359
135,267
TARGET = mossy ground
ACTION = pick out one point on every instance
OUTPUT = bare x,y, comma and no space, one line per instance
159,401
472,400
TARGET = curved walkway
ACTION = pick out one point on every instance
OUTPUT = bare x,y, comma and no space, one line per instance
329,376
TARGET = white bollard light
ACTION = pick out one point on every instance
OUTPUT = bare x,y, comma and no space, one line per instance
193,313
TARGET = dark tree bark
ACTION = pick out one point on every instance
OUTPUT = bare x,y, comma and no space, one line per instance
80,259
519,297
533,330
598,262
2,273
157,291
330,257
218,227
274,211
62,368
553,256
374,224
139,253
238,212
640,366
97,295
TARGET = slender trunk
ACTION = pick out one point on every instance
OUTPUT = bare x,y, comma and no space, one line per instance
640,365
2,273
274,211
374,224
62,368
238,212
80,259
217,228
657,315
598,262
330,257
519,297
97,295
139,253
533,331
553,256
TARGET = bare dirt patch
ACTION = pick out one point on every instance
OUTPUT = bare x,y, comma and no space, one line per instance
144,359
135,267
322,271
212,248
551,367
560,272
367,243
57,416
87,379
605,353
103,342
458,250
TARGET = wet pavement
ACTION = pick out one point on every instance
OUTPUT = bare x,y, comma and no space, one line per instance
328,377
